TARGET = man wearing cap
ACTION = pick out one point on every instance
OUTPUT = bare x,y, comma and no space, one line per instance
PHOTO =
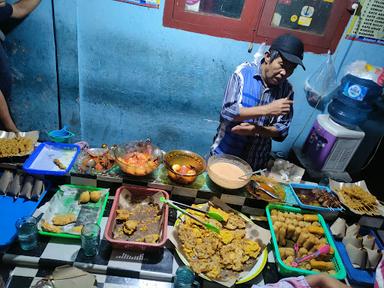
258,101
17,10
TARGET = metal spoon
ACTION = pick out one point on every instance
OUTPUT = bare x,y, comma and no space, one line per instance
252,173
258,187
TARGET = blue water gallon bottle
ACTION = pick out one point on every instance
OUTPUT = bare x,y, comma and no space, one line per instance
185,278
352,101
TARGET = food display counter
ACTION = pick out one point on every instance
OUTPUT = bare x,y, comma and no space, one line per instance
112,265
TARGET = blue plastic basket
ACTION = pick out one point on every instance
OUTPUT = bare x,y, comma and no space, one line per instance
41,160
358,276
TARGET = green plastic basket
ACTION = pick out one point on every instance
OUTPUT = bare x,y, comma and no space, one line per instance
99,218
287,270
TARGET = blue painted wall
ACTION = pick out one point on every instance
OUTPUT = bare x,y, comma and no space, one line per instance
123,76
30,47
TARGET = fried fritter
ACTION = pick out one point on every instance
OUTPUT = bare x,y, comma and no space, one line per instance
49,227
251,248
130,226
234,222
63,219
122,215
232,256
226,236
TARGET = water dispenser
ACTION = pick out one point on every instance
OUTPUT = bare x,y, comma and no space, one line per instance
330,146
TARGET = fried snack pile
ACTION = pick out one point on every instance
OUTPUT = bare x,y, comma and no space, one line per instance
268,184
18,146
306,231
218,256
141,223
358,200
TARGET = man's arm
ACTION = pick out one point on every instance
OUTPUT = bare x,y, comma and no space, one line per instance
275,108
23,7
5,117
248,129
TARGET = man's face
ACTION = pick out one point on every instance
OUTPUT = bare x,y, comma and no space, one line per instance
277,70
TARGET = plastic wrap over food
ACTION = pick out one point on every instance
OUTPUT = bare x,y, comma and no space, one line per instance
72,207
17,144
285,171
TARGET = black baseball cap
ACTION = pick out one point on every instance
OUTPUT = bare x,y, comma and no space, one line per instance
290,47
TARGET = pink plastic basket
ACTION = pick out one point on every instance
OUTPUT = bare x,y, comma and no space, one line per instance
122,244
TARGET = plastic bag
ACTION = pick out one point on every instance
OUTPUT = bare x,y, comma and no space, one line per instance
320,84
364,70
259,54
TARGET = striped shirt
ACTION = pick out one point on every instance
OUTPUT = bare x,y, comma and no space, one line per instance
246,89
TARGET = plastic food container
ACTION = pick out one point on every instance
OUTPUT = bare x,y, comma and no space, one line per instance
312,207
234,165
136,192
287,270
187,159
41,161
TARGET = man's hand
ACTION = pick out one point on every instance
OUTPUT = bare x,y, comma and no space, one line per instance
245,129
23,7
324,281
2,3
279,107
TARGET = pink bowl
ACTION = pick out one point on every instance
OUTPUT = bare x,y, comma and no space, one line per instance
122,244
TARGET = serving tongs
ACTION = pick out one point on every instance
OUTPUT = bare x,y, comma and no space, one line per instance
207,225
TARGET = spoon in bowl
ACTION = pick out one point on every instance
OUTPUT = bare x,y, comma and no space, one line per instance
251,173
258,187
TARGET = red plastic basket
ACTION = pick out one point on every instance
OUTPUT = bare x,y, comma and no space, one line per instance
122,244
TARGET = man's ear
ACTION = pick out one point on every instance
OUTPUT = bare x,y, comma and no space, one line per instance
267,57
